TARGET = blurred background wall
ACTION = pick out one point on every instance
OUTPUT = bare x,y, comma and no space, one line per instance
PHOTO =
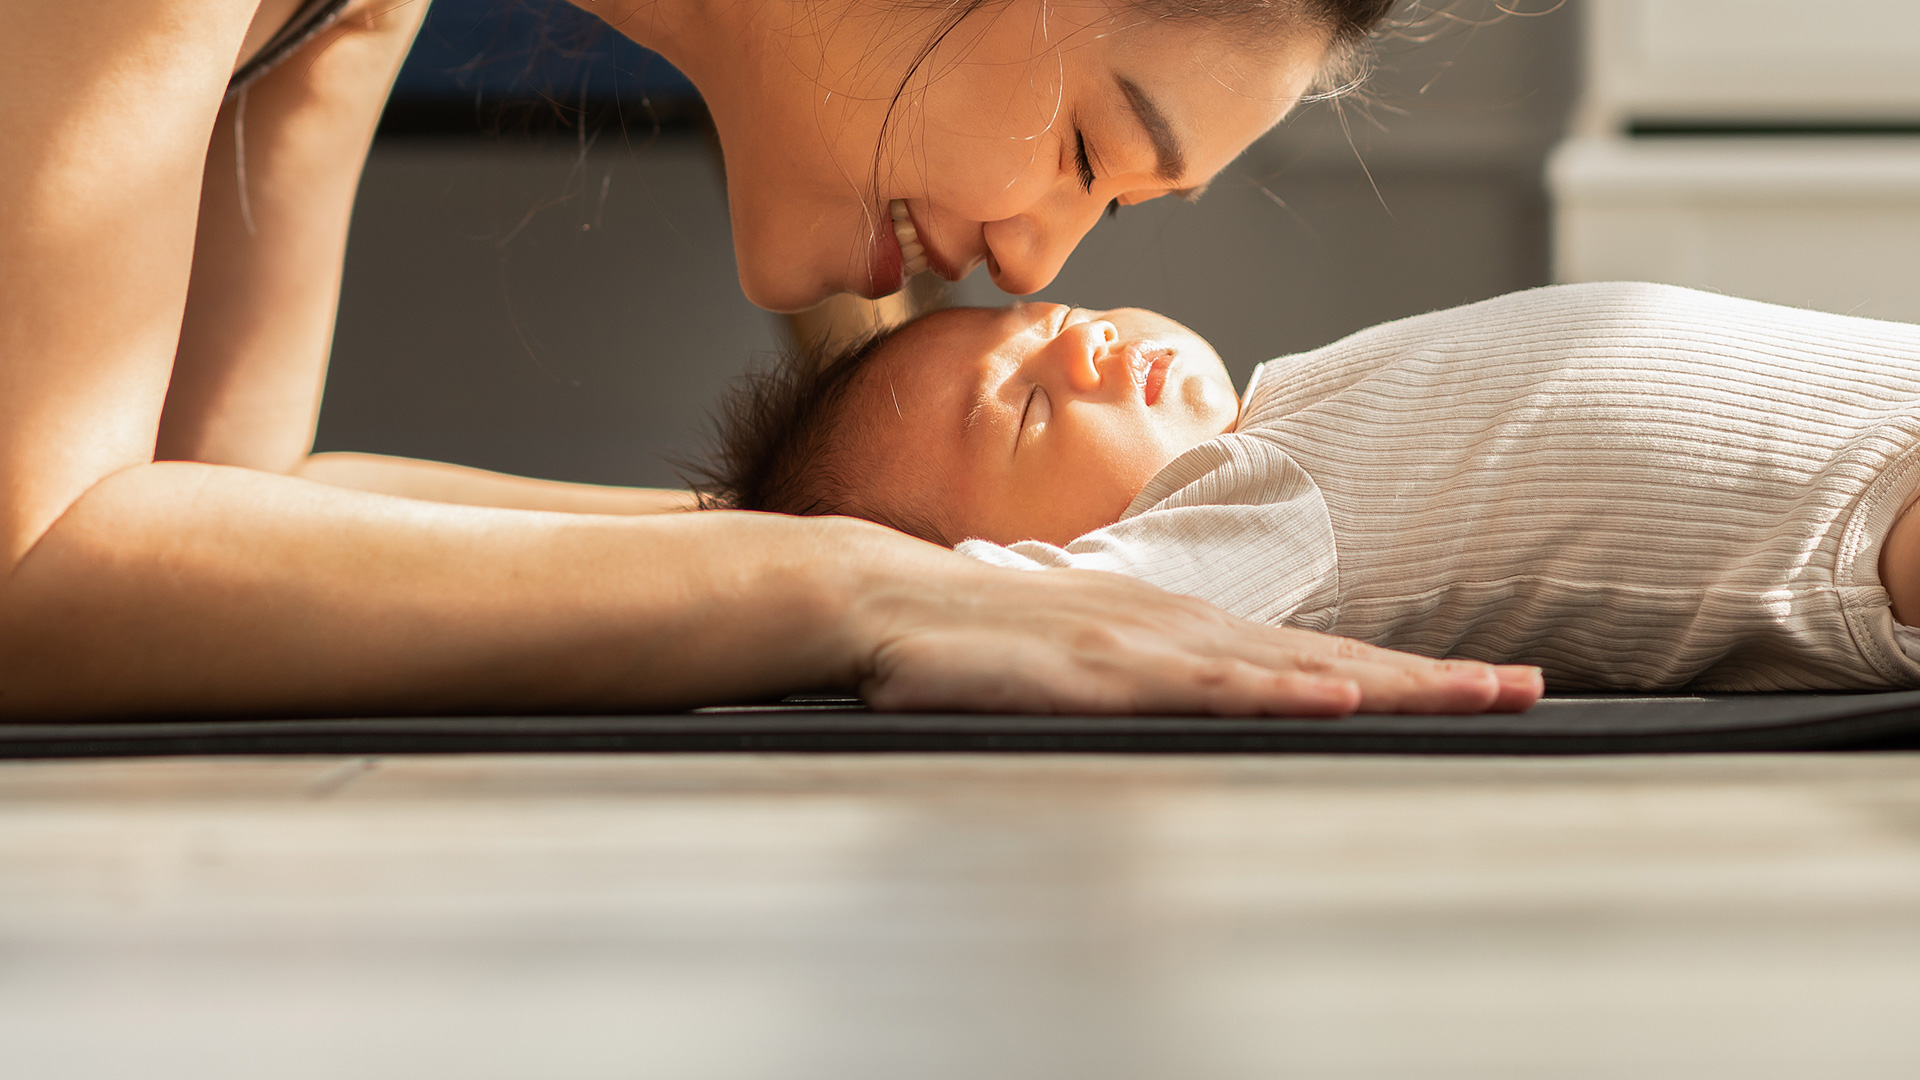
1761,148
541,279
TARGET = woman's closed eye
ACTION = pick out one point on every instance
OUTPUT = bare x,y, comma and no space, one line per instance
1083,170
1082,161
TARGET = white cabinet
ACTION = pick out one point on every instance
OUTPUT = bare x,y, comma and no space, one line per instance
1763,148
1765,60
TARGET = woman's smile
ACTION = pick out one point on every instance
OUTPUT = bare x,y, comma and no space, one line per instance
912,254
903,251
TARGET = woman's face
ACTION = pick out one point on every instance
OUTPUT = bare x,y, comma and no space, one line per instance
1012,136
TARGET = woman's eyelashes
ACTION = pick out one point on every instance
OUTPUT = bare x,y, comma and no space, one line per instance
1083,167
1083,164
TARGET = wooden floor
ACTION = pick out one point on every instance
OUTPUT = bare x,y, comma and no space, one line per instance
899,917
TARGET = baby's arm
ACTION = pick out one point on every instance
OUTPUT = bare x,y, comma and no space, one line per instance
1900,565
1242,527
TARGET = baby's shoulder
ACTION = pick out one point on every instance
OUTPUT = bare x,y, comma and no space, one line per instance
1239,468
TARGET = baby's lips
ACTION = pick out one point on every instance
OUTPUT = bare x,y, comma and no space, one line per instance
1153,379
1140,358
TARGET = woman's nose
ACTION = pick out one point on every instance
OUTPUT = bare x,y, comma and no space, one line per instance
1025,252
1078,353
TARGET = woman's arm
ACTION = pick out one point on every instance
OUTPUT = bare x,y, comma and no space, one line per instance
271,243
181,587
175,588
267,260
439,482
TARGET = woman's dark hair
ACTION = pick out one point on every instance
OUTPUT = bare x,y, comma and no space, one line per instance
1347,22
781,443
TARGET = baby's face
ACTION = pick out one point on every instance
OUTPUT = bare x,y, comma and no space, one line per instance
1037,421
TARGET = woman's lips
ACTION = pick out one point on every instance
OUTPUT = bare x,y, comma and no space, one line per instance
885,266
897,253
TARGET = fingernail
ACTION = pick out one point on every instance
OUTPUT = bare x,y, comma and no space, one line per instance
1524,675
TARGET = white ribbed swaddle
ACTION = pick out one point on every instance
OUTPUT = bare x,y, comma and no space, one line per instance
1633,486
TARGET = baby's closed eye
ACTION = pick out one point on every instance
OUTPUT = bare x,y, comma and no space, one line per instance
1038,411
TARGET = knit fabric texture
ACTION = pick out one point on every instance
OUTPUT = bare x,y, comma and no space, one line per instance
1633,486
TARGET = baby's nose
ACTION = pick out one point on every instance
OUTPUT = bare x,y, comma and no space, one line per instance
1083,350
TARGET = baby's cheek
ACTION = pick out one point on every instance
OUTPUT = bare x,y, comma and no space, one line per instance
1214,407
1078,495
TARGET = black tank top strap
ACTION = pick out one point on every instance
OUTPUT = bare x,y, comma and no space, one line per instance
312,17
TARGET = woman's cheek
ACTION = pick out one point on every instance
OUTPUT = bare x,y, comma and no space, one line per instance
987,174
989,187
788,257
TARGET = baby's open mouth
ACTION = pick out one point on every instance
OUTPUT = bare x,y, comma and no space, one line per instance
912,254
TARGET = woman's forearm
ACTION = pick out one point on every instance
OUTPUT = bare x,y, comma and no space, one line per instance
184,588
440,482
189,588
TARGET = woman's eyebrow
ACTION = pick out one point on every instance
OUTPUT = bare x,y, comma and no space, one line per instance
1170,157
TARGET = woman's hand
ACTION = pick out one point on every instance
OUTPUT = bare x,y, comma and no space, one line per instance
961,636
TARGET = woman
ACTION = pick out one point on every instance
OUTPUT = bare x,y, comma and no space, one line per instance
169,264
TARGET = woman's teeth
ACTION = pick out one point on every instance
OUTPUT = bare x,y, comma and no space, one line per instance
909,237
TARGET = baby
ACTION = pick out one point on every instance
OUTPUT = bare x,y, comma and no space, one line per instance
1632,486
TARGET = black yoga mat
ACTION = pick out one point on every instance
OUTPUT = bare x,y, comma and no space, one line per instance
1558,725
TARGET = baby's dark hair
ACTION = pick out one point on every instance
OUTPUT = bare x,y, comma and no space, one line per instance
782,442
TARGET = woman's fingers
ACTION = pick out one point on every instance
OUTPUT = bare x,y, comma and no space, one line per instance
1047,665
1402,682
1520,688
1019,674
1089,642
1225,687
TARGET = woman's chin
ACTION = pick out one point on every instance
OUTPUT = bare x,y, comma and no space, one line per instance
798,290
782,294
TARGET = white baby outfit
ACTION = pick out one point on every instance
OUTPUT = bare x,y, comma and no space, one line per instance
1633,486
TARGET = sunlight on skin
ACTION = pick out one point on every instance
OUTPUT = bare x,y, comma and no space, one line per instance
1034,421
982,148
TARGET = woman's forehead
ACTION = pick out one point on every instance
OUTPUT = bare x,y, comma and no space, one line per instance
1193,88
